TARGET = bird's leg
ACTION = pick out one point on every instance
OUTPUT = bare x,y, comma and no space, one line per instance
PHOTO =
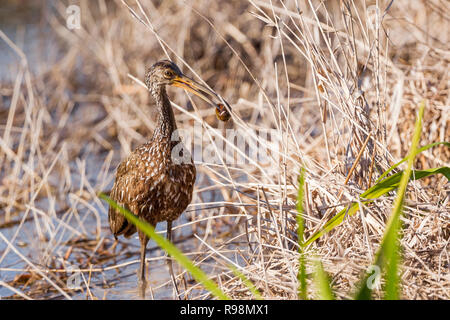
113,247
169,260
142,281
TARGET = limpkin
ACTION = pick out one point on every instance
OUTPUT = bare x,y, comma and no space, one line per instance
150,182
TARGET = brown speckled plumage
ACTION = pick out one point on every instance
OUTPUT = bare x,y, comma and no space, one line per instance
149,182
151,186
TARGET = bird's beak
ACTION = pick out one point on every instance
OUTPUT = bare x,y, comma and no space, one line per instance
206,94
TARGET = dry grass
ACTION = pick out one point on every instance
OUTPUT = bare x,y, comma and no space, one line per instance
323,75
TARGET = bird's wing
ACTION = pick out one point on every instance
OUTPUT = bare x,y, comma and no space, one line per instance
121,192
133,185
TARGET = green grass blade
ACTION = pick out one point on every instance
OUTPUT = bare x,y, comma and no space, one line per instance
167,246
322,282
333,222
301,275
247,282
388,255
388,184
393,244
428,146
392,182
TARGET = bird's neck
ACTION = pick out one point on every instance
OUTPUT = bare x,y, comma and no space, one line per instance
166,120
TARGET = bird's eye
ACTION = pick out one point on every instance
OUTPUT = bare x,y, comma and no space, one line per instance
168,74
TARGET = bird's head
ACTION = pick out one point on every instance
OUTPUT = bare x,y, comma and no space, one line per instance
166,72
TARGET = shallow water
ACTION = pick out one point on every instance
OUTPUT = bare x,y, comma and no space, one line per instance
117,283
22,22
60,227
45,252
